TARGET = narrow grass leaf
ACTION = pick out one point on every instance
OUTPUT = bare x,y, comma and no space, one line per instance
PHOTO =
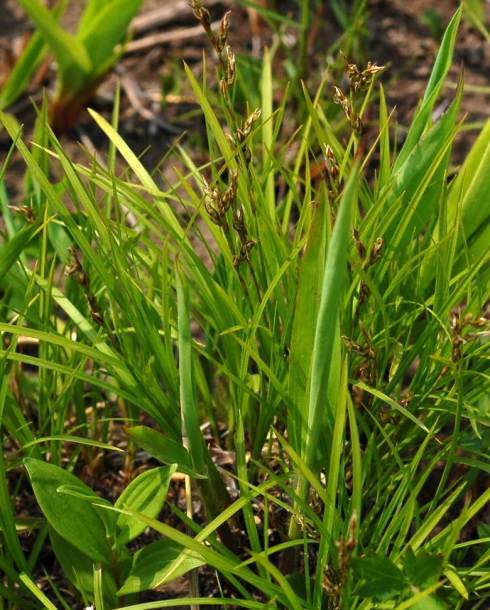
23,70
266,85
37,593
11,541
190,418
11,251
229,564
212,120
393,404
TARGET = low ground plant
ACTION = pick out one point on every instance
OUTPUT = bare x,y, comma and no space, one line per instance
83,59
336,325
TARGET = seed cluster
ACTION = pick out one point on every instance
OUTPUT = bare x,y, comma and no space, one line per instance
222,207
335,578
359,82
460,338
75,269
374,256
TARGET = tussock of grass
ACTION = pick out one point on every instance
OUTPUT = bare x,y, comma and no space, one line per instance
338,328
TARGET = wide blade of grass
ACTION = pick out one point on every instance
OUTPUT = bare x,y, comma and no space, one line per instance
327,328
472,187
105,29
419,181
304,325
438,74
326,346
73,60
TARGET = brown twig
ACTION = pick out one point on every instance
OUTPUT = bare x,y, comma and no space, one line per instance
177,9
166,37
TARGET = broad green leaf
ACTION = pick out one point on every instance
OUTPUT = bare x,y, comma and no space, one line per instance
471,189
422,570
384,142
75,520
325,360
439,72
153,561
325,351
100,504
162,448
73,60
419,181
384,580
92,9
304,325
106,29
79,568
465,212
147,494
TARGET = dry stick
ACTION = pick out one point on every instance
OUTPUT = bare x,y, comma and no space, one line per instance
164,15
134,93
166,37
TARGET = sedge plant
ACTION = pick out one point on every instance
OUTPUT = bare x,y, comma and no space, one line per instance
338,329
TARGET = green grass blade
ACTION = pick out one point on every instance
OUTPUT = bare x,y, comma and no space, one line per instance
439,72
105,30
73,60
304,325
36,592
212,120
10,252
332,510
326,334
190,419
267,132
472,187
326,346
138,168
23,70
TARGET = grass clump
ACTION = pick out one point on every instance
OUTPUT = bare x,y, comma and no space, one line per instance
337,326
